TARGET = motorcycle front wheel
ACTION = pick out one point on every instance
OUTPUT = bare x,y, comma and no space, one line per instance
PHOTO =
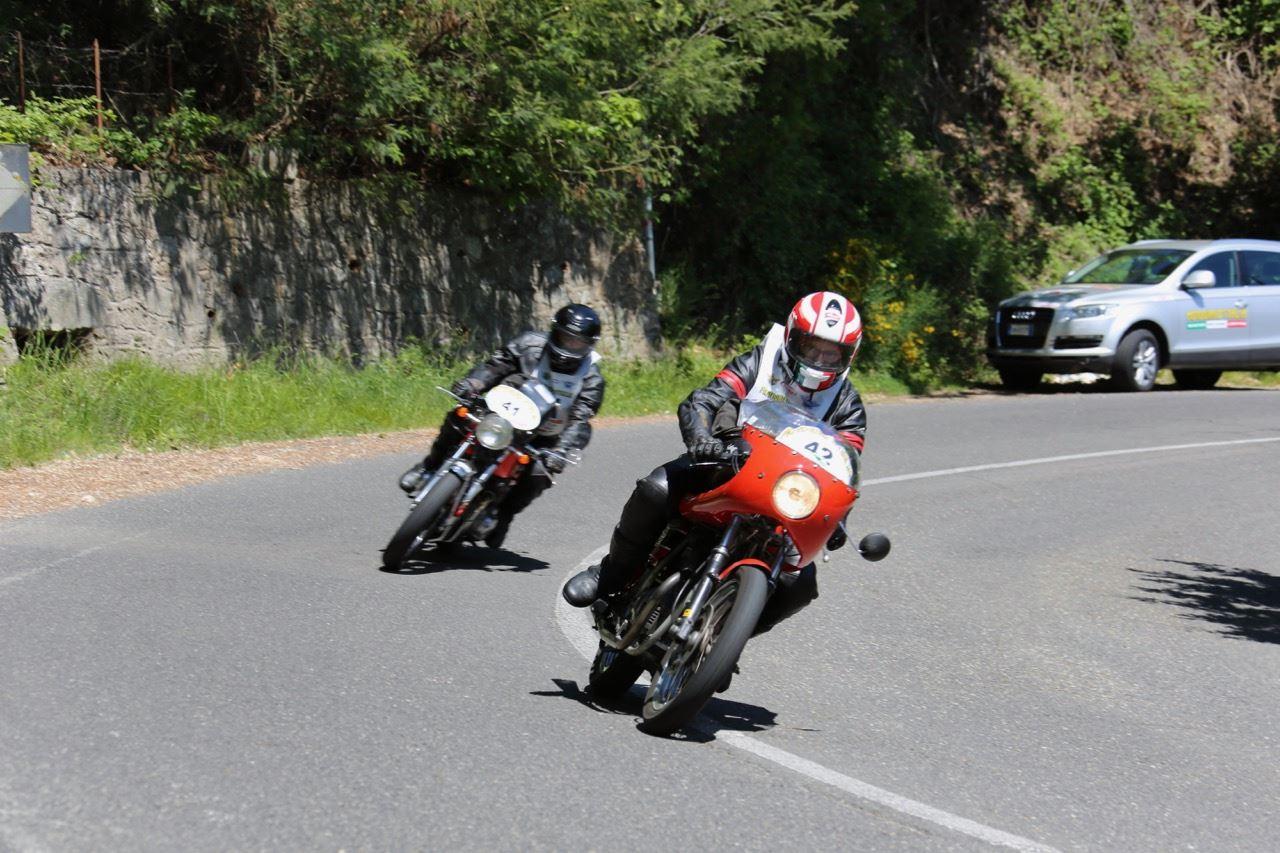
421,523
691,671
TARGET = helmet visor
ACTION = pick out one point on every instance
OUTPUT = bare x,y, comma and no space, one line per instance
819,353
568,342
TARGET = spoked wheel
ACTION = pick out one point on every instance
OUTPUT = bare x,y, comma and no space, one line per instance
612,672
421,523
691,671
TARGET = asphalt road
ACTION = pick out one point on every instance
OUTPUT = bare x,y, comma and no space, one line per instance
1081,653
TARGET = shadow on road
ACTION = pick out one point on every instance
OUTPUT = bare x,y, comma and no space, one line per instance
718,714
1243,602
470,558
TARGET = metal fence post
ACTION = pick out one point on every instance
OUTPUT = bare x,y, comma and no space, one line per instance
97,80
22,77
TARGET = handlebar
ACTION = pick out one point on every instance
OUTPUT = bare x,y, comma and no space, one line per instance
734,456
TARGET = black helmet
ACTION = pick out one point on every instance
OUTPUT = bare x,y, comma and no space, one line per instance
574,331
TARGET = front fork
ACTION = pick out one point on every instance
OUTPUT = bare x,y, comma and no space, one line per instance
440,471
715,565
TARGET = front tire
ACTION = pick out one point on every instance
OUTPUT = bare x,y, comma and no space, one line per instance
1137,362
612,672
1197,380
690,672
421,523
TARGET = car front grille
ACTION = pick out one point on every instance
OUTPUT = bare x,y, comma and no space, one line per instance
1087,342
1022,320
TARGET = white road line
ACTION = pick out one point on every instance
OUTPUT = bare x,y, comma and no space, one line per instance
1046,460
575,625
880,796
21,576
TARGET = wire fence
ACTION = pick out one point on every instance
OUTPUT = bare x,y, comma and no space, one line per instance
127,81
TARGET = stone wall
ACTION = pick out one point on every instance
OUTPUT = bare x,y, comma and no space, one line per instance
192,278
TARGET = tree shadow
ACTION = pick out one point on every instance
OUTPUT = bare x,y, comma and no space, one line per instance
469,558
716,716
1244,603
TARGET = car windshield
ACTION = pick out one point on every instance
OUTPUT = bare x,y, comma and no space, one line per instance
814,439
1129,266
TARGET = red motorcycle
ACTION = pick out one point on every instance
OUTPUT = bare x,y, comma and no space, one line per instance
690,612
453,504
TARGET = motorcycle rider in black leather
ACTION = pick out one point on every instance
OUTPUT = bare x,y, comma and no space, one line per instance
566,361
806,364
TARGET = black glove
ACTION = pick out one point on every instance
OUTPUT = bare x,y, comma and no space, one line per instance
553,464
708,449
838,539
465,387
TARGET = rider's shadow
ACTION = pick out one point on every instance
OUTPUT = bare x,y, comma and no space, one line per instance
716,716
474,559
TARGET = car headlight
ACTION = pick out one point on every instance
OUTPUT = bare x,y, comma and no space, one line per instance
1085,311
494,431
796,494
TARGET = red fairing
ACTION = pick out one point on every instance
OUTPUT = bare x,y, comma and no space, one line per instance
734,381
750,492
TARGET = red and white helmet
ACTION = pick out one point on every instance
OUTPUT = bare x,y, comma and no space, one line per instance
823,334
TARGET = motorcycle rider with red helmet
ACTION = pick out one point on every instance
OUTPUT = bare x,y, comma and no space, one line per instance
805,365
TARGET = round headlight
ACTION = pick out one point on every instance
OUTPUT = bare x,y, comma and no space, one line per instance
796,494
494,431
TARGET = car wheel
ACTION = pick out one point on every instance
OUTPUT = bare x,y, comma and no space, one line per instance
1137,362
1197,379
1020,378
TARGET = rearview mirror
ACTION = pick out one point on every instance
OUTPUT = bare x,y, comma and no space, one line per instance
1198,279
874,547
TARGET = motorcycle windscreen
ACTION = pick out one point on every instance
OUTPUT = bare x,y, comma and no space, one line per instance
810,438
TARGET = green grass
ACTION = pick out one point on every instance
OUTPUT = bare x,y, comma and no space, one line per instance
51,407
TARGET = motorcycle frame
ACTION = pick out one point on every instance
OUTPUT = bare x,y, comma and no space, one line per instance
469,501
694,584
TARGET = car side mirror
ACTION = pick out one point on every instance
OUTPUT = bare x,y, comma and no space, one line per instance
1199,279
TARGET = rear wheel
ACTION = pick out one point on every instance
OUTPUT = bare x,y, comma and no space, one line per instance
1020,378
612,672
691,671
1197,379
1137,362
421,523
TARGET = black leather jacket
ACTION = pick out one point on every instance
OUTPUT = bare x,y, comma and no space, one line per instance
521,354
713,409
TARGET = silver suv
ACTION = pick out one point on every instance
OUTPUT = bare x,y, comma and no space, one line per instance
1196,306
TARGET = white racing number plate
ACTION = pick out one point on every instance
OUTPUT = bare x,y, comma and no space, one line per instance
817,446
1021,330
514,406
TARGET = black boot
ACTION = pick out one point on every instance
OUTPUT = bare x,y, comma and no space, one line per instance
583,588
412,480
